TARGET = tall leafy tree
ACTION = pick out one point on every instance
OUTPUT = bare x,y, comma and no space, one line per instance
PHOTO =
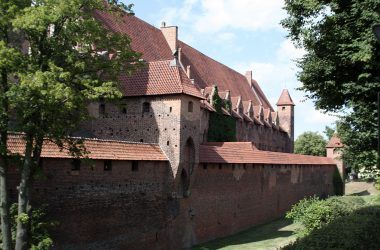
341,67
329,132
69,60
310,143
10,61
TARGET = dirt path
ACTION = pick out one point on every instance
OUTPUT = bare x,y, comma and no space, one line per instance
361,188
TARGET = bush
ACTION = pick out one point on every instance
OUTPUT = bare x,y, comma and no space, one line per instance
314,213
377,183
358,230
39,227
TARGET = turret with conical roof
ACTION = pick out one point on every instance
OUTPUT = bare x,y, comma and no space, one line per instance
285,107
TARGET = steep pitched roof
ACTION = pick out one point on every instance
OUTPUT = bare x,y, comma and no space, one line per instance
158,78
246,152
97,149
335,142
146,39
207,72
285,99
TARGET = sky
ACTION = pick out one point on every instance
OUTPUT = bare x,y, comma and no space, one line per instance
244,35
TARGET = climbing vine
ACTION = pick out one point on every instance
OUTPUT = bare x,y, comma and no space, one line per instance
222,128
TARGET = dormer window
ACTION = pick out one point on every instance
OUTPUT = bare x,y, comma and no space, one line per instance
146,107
190,107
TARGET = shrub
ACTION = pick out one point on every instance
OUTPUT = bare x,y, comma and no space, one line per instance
314,213
358,230
377,183
39,227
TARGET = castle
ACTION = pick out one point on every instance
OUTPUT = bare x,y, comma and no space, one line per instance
158,178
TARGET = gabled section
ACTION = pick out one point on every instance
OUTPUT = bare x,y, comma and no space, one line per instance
158,78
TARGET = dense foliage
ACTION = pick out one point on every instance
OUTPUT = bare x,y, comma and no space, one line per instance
341,68
222,128
310,143
337,223
40,225
56,57
314,213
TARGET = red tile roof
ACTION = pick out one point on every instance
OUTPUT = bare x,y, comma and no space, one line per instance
158,78
146,39
206,72
246,152
97,150
335,142
285,99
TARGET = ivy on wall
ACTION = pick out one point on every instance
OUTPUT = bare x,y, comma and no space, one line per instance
222,128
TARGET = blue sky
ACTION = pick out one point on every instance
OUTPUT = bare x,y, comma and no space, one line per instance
244,35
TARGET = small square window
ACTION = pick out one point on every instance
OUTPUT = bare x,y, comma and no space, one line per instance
283,108
146,107
107,165
135,166
75,165
190,107
124,110
102,108
204,165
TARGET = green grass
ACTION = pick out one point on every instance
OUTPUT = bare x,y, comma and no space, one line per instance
273,235
269,236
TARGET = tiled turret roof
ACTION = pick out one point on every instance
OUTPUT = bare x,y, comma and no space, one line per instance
335,142
285,99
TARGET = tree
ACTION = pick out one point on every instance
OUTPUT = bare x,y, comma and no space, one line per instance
72,60
329,132
341,67
310,143
10,59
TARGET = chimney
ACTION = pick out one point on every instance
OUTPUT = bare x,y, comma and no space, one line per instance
171,35
248,75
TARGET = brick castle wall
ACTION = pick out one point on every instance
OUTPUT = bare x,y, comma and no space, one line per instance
126,209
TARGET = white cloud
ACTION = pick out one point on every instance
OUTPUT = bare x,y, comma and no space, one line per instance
251,15
217,15
288,52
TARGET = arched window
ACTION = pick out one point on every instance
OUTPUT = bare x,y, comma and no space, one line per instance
190,107
146,107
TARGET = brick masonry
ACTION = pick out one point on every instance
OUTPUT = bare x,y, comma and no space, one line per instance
126,209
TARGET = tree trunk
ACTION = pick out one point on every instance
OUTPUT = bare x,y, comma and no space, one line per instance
4,199
4,205
24,197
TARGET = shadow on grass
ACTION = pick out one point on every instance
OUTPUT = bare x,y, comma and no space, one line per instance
360,230
362,193
264,232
